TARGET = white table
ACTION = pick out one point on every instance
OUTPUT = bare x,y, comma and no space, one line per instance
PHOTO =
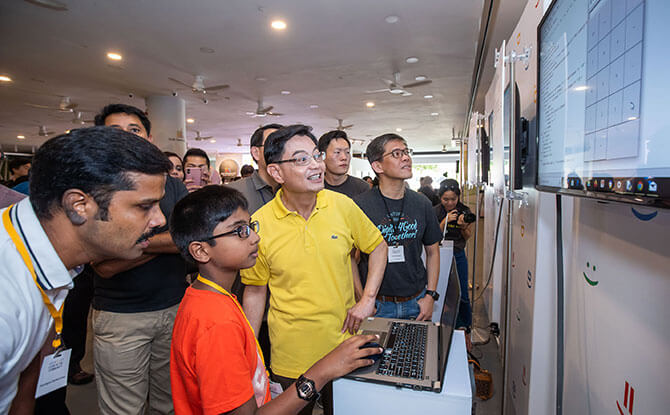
356,397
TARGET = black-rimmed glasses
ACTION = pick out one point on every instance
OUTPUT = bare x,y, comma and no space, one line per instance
243,231
398,153
305,159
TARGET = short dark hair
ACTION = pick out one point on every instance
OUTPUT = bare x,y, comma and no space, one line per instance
95,160
196,152
196,215
275,143
257,136
449,184
17,162
375,150
246,170
125,109
325,139
171,154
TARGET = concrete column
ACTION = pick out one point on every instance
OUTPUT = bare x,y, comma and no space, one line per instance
168,122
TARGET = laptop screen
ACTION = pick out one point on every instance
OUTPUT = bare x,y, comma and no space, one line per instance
448,319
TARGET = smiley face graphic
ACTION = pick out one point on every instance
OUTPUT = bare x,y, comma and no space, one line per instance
589,281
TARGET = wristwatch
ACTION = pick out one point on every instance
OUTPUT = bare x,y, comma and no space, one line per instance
306,389
434,294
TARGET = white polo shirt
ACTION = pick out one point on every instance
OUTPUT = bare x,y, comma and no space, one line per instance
24,319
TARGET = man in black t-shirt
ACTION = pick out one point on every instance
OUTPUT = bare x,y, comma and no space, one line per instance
337,147
135,303
408,224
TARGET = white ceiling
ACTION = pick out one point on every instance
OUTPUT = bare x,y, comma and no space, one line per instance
330,54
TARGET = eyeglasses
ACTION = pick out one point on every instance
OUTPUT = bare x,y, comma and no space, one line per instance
243,231
305,159
399,153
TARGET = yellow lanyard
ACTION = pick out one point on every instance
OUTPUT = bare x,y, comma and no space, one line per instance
223,291
57,314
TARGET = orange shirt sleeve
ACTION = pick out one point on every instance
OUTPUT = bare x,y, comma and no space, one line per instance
223,368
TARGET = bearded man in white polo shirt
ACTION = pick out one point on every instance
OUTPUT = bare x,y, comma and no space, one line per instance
94,195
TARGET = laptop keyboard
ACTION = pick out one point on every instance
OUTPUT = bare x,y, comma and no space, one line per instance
405,351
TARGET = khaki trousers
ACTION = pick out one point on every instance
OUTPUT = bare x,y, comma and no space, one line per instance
132,361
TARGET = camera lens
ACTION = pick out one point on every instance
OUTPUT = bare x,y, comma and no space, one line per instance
469,217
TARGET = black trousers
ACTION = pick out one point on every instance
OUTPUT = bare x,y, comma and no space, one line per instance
52,403
75,317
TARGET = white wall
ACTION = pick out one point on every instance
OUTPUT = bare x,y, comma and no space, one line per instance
617,330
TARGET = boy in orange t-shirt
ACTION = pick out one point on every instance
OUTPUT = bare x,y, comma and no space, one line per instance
216,363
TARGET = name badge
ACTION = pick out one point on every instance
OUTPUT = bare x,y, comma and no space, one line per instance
53,374
275,389
396,254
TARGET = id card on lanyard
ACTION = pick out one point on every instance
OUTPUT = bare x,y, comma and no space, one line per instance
53,373
396,251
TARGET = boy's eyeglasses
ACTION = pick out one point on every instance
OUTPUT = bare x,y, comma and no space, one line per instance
305,159
398,153
243,231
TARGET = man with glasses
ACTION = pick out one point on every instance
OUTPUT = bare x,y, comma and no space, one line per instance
408,224
307,234
337,147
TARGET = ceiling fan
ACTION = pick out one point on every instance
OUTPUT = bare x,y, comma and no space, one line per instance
198,137
263,111
79,118
198,85
65,105
240,144
43,132
342,127
396,88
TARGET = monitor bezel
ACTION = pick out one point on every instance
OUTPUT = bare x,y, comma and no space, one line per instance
635,199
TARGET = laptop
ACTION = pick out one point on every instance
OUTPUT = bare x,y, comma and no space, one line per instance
415,352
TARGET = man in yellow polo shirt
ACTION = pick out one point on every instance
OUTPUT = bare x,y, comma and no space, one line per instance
307,234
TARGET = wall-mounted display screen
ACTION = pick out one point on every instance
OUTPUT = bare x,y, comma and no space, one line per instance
603,108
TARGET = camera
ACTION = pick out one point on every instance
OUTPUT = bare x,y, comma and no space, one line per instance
468,217
205,101
175,93
131,95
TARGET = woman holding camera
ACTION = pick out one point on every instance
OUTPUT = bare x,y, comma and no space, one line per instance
457,219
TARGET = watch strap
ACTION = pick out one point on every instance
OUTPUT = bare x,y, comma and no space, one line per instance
434,294
306,389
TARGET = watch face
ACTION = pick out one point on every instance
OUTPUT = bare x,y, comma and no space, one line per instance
305,389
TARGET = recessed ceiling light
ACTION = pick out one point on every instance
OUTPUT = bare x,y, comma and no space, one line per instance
434,114
114,56
412,59
5,78
285,92
261,79
20,137
369,104
278,24
314,106
581,88
392,19
428,96
212,141
420,77
205,49
398,130
190,120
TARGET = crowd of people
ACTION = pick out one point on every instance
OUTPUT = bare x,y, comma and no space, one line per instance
211,296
